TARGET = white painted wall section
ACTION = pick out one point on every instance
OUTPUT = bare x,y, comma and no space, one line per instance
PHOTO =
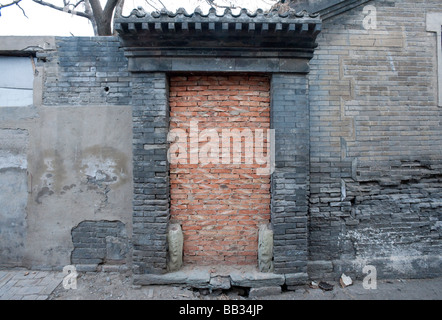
16,81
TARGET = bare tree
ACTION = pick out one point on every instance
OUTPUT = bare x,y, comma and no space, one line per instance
100,18
14,2
232,4
215,4
283,6
9,4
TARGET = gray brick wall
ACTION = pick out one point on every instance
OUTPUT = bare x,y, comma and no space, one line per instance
358,175
85,70
151,171
290,181
375,145
98,242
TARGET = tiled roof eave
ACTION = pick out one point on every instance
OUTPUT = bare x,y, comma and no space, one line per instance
197,42
212,14
165,21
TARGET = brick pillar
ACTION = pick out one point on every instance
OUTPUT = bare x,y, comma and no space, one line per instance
151,171
290,181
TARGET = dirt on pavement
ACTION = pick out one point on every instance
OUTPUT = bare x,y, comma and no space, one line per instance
116,286
119,286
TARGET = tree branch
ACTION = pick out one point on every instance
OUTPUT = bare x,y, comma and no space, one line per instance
88,10
16,2
78,3
271,2
100,18
213,4
97,10
150,4
50,5
162,4
109,8
22,10
9,4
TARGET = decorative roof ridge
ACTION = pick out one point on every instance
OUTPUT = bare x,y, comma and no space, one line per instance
139,12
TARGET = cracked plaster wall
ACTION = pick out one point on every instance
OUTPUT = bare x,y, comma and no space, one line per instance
64,165
61,162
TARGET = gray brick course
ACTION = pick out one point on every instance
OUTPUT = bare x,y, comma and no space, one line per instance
151,179
289,113
85,70
372,115
94,243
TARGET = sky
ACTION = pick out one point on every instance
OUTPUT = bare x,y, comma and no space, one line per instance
43,20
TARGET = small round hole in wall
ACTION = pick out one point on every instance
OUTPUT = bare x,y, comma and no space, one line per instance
106,89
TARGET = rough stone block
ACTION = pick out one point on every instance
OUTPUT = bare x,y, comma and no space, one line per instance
256,279
86,267
219,282
265,248
296,279
175,241
196,279
264,291
114,268
116,248
318,267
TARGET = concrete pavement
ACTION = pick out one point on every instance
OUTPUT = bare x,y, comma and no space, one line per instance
28,285
394,289
38,285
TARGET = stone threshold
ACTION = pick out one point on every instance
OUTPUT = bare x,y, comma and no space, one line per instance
222,277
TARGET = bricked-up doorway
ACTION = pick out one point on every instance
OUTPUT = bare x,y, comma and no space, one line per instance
220,205
161,45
